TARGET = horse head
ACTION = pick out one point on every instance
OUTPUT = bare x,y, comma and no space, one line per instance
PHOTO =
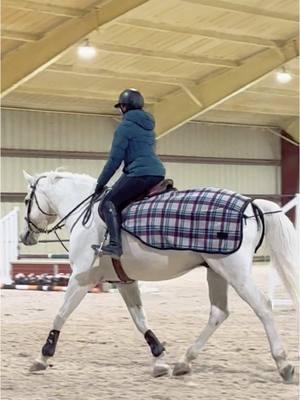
39,213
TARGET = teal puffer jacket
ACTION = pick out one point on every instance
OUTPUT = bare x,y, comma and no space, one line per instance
133,144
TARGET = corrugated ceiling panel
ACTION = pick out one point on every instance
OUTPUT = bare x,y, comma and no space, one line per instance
80,4
102,58
139,63
29,22
224,50
294,65
131,35
284,6
167,67
173,42
191,14
139,37
262,103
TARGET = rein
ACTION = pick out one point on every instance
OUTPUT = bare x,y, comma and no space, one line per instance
60,224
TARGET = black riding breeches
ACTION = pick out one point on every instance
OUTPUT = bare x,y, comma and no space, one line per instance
129,188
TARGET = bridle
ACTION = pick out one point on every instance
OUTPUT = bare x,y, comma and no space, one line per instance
33,228
33,197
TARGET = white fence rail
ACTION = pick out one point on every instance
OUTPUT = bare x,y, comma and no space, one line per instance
274,280
9,236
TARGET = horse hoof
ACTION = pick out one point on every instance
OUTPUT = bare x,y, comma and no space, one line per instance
181,368
287,373
161,370
38,366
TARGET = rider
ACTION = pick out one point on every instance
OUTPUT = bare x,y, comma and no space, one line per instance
133,144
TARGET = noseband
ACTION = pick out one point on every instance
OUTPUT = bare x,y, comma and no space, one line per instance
32,198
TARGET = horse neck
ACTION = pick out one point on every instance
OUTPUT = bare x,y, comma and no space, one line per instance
66,194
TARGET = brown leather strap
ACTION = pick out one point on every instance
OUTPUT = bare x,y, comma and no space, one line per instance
120,271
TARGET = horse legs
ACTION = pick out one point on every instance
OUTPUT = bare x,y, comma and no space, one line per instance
132,297
218,313
231,268
73,296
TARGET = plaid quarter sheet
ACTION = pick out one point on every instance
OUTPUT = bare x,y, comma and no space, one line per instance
207,220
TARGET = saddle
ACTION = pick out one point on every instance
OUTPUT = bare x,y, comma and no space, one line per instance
164,186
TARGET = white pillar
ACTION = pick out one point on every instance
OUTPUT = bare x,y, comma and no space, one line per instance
9,244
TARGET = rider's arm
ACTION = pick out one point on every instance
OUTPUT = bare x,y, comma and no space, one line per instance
116,156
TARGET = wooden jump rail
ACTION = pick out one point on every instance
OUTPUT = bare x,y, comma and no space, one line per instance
39,266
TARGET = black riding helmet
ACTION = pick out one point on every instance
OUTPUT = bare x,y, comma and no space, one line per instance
131,99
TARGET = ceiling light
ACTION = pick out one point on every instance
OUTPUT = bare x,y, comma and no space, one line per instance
283,76
86,51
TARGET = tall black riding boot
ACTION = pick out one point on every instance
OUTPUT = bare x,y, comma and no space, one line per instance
112,219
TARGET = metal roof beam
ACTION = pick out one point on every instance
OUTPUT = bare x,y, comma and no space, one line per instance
34,57
255,109
110,74
178,107
245,9
165,55
76,93
292,128
210,34
20,36
273,91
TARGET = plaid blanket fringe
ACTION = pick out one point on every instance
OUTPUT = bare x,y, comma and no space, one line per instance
207,220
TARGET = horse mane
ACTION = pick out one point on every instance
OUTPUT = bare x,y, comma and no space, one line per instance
52,175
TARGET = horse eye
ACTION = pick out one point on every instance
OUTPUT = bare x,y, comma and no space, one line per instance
26,202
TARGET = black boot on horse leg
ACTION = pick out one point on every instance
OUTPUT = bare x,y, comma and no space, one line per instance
49,347
48,350
112,220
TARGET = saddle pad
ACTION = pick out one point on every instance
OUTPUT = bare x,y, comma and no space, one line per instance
207,220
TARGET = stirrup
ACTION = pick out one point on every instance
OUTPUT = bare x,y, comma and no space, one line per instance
97,249
114,252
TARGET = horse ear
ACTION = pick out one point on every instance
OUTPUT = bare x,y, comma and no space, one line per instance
29,178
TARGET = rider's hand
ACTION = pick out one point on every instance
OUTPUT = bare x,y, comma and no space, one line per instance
99,188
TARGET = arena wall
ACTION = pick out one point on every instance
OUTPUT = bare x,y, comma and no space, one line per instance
239,158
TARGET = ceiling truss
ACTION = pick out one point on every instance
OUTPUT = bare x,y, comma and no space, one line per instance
179,107
34,57
206,33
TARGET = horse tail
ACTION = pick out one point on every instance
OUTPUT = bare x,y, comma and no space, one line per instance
281,238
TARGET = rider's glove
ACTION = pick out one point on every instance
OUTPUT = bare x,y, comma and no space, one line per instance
99,188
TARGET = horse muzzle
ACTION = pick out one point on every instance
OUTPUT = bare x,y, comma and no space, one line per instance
29,238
